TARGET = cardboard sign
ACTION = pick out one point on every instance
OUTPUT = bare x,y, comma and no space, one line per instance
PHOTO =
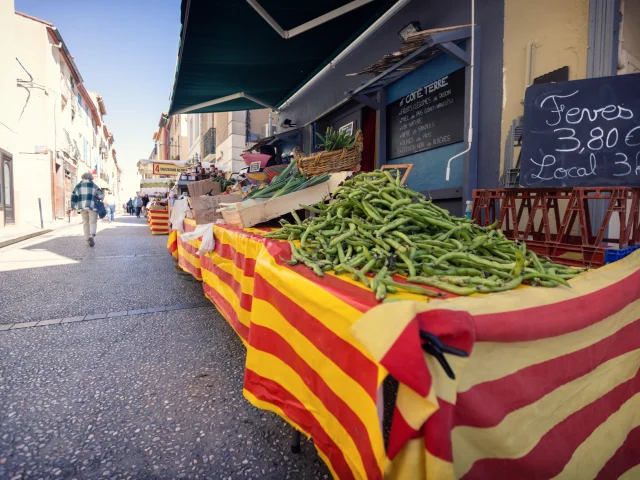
205,206
203,187
166,169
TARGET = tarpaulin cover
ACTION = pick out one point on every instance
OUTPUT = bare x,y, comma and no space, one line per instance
551,389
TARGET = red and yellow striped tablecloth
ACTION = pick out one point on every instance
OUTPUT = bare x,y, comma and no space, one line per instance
551,388
158,221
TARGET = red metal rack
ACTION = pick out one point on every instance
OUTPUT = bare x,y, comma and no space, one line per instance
556,222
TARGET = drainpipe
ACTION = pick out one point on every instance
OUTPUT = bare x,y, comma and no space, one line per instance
470,130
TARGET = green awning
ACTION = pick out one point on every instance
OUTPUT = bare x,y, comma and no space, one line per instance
230,53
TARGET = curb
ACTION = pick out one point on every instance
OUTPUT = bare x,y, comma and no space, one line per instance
22,238
28,236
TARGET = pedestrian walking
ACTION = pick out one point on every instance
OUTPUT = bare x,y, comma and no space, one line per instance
110,202
145,202
130,207
138,206
83,199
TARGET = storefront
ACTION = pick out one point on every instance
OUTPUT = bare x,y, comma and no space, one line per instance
326,93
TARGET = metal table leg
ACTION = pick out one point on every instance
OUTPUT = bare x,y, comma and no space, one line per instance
295,442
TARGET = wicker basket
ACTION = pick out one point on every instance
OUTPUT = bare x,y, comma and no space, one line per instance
347,159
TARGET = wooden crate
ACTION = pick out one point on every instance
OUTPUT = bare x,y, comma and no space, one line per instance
249,216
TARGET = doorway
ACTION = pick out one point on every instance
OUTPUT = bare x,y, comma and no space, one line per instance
6,190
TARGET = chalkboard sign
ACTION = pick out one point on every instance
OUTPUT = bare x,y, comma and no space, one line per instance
582,133
427,118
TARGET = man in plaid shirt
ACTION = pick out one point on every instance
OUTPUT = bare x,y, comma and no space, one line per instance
83,198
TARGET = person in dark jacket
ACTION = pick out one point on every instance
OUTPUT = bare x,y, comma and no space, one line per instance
130,207
145,202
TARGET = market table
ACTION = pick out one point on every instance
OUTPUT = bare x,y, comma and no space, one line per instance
158,221
551,387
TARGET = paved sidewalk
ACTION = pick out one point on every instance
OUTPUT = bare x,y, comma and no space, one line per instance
12,234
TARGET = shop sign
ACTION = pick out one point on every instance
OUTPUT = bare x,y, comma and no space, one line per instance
582,133
165,169
427,118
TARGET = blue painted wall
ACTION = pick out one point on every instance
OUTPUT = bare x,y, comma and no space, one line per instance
330,89
429,168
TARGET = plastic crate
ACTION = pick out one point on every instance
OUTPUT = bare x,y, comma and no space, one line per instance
613,254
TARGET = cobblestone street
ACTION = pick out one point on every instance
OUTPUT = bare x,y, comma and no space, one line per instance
113,366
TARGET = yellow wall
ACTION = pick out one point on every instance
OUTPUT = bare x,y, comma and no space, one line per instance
559,32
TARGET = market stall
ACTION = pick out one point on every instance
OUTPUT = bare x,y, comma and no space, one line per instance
552,372
156,186
507,364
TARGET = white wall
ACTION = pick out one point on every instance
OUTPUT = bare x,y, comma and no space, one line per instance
194,135
42,120
228,152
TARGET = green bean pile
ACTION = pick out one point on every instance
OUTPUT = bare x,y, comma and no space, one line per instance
374,227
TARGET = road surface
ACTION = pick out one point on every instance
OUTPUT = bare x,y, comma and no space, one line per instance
95,382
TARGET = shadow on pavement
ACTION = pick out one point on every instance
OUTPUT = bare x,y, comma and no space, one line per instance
61,277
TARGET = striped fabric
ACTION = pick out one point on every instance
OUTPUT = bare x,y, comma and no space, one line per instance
158,221
188,257
549,390
172,243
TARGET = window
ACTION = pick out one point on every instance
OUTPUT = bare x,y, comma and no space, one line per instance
209,141
85,144
194,129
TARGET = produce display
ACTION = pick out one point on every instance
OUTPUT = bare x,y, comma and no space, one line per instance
333,140
289,181
374,228
224,182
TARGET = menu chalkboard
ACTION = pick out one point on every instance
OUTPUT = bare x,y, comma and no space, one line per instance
427,118
582,133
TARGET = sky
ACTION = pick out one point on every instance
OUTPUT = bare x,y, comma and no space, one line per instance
126,52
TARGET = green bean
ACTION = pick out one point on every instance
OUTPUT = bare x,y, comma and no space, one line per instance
391,226
410,266
503,288
341,238
546,276
433,282
411,288
395,244
398,203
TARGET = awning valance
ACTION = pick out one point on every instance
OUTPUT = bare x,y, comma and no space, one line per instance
156,182
244,55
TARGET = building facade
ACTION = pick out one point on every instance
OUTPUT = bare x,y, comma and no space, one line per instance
216,138
55,130
220,138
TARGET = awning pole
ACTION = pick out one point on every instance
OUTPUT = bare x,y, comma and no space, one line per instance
342,55
310,24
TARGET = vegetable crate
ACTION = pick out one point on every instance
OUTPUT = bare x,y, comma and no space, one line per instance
248,216
556,222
